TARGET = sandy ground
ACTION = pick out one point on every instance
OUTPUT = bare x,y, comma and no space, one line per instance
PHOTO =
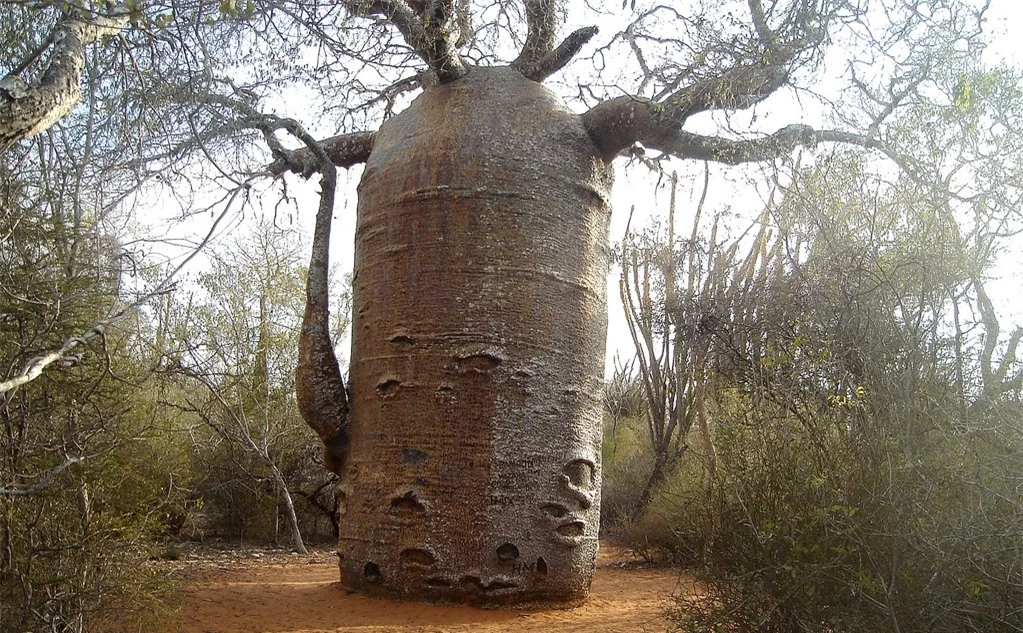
300,594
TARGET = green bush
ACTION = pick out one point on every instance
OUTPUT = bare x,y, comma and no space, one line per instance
626,465
835,529
84,481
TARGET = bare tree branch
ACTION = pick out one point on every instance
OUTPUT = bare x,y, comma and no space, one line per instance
555,60
432,32
35,366
759,69
25,491
27,109
541,34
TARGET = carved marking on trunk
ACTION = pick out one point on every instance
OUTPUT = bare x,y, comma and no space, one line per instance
522,567
541,567
387,387
408,502
575,528
416,557
438,582
480,363
507,552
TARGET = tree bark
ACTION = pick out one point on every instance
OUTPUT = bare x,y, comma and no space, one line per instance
320,388
27,109
478,342
345,150
431,28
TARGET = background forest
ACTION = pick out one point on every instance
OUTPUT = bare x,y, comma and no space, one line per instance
822,420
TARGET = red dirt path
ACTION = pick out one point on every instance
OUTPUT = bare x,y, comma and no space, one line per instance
300,594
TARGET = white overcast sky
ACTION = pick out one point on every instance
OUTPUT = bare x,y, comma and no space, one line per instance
636,187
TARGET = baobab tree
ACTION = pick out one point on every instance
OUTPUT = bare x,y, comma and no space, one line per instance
467,439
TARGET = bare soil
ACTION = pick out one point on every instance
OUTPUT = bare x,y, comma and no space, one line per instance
254,592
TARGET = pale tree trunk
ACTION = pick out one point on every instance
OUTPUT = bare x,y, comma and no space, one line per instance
262,371
297,543
27,109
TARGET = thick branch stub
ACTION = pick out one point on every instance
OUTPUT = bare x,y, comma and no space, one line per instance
558,58
541,33
345,150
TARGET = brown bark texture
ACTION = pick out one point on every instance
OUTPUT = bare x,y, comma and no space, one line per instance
478,346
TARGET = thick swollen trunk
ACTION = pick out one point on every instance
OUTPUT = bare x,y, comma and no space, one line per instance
478,348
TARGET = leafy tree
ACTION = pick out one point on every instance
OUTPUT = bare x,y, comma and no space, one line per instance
80,492
235,339
845,431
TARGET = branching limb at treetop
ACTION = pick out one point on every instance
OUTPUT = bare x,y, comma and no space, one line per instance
345,150
615,125
432,32
27,109
541,32
761,67
555,60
